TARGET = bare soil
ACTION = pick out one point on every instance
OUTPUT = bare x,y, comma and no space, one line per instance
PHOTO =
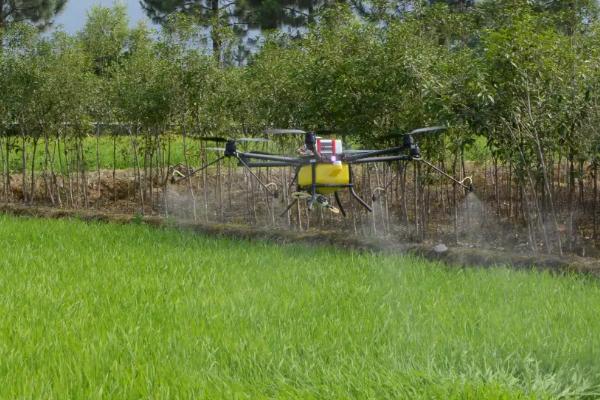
232,198
456,256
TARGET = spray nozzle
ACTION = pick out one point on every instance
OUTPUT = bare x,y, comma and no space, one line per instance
275,192
375,196
469,185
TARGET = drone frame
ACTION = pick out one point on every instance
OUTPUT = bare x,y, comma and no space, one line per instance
408,151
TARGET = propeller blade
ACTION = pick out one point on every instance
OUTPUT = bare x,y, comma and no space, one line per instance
417,132
219,149
264,153
284,132
216,139
357,151
251,139
431,129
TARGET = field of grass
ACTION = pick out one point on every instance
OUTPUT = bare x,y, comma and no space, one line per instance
105,311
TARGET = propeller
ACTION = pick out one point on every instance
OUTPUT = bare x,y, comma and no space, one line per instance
424,131
275,131
415,132
218,149
219,139
285,132
253,139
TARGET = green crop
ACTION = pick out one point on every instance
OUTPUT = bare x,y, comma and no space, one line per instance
93,310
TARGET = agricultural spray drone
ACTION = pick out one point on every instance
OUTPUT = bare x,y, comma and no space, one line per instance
323,167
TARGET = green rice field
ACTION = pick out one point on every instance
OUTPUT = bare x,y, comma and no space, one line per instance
103,311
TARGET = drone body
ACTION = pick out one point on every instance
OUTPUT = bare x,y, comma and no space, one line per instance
330,173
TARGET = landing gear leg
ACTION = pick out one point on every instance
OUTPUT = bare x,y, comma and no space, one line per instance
288,208
339,203
313,186
361,201
355,195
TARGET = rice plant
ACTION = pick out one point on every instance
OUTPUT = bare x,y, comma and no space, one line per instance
109,311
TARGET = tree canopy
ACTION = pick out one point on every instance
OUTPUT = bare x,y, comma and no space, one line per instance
39,12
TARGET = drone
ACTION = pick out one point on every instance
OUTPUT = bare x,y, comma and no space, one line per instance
322,166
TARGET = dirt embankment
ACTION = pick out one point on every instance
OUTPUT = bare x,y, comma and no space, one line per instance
453,256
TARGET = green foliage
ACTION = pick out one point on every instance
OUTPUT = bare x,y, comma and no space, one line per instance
508,71
132,311
145,85
240,17
19,72
104,36
39,12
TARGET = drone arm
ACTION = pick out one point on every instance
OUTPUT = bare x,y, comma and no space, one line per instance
269,157
267,164
375,153
175,180
265,186
371,159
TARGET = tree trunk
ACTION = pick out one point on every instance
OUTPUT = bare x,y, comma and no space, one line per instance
189,179
23,164
136,164
82,169
595,199
98,155
114,171
7,190
49,186
32,193
215,35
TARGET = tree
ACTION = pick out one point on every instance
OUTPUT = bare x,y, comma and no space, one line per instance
457,4
237,15
21,80
104,35
39,12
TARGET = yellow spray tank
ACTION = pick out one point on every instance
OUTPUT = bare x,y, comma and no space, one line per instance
329,174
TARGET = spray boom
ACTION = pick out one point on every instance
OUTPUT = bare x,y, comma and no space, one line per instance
461,182
470,184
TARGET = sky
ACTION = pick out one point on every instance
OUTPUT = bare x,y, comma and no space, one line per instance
73,17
